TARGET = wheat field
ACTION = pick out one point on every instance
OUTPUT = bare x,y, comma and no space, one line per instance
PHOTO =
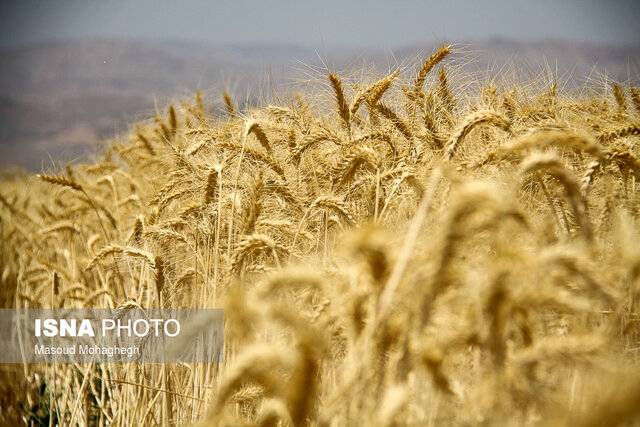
414,248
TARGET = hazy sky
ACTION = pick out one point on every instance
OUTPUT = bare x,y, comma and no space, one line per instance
386,23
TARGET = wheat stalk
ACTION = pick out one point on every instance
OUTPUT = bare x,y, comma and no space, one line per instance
229,104
343,106
428,65
471,121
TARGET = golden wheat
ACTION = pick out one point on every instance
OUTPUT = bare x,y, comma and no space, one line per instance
369,276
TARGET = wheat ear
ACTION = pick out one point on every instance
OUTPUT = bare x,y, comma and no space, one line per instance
341,101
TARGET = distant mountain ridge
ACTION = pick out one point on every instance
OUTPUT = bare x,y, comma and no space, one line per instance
59,98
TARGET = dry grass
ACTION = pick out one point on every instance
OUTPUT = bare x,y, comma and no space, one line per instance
410,250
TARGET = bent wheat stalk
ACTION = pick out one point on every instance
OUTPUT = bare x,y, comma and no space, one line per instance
58,180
